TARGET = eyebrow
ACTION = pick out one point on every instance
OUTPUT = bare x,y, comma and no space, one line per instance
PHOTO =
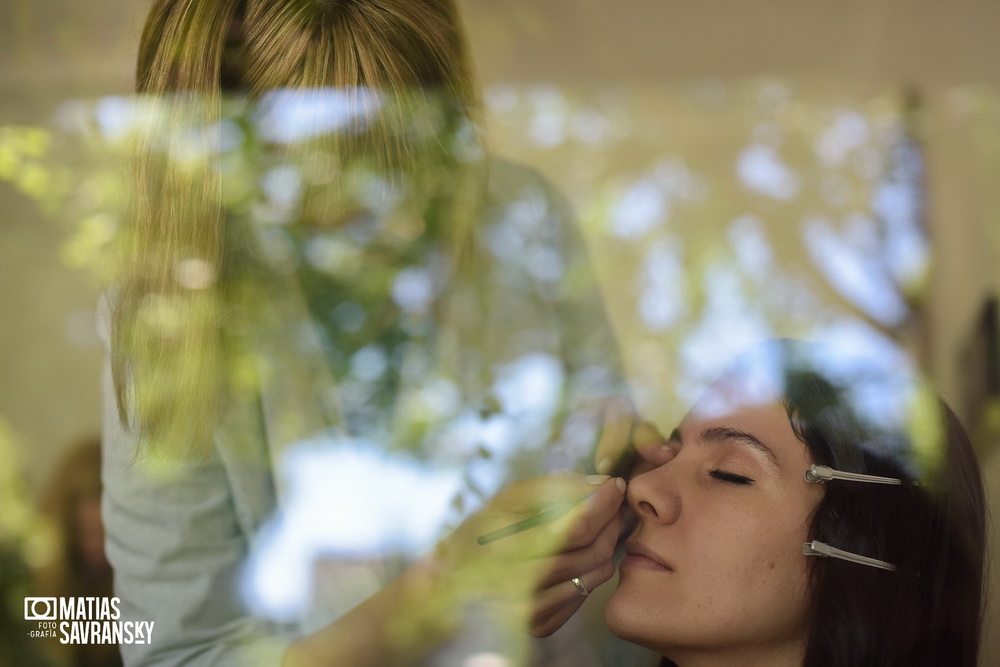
724,433
721,434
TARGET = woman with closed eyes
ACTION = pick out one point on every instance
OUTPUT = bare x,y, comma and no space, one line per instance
744,553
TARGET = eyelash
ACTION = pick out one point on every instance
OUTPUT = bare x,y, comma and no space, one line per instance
731,478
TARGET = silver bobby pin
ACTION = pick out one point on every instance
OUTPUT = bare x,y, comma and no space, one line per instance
825,473
817,548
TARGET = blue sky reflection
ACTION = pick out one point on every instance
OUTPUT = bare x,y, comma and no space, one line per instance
351,500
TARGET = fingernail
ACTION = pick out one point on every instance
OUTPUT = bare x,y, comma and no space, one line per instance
664,447
604,465
621,484
596,479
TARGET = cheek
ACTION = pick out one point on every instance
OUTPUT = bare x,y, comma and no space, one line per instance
751,537
779,539
775,565
761,553
765,592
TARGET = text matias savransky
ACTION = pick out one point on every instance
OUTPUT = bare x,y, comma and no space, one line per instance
85,620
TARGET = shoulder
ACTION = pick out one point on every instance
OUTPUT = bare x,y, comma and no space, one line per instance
519,196
505,173
515,182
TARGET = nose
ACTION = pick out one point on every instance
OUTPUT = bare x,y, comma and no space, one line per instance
655,495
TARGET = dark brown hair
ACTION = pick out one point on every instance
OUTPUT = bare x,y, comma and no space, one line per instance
932,527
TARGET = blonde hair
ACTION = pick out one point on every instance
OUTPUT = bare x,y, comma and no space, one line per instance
169,350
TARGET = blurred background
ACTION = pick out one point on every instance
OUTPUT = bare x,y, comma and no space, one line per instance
739,170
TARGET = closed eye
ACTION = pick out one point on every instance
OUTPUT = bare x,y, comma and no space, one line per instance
731,478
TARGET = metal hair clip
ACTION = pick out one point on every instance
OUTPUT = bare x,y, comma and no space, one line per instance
817,548
826,473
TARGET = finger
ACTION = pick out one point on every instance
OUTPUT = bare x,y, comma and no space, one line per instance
567,565
545,621
568,528
529,495
615,441
652,451
556,604
582,526
650,444
523,522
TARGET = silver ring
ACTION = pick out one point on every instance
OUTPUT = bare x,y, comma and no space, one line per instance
580,588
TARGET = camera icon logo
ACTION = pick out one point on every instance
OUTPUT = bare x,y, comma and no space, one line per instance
40,609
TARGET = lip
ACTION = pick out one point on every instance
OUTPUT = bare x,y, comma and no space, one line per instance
639,556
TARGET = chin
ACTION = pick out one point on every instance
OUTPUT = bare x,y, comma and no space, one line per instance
631,619
612,614
623,618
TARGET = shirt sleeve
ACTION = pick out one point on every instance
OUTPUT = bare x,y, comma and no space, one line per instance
177,545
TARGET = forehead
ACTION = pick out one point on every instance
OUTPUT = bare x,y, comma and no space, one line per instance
740,388
763,416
